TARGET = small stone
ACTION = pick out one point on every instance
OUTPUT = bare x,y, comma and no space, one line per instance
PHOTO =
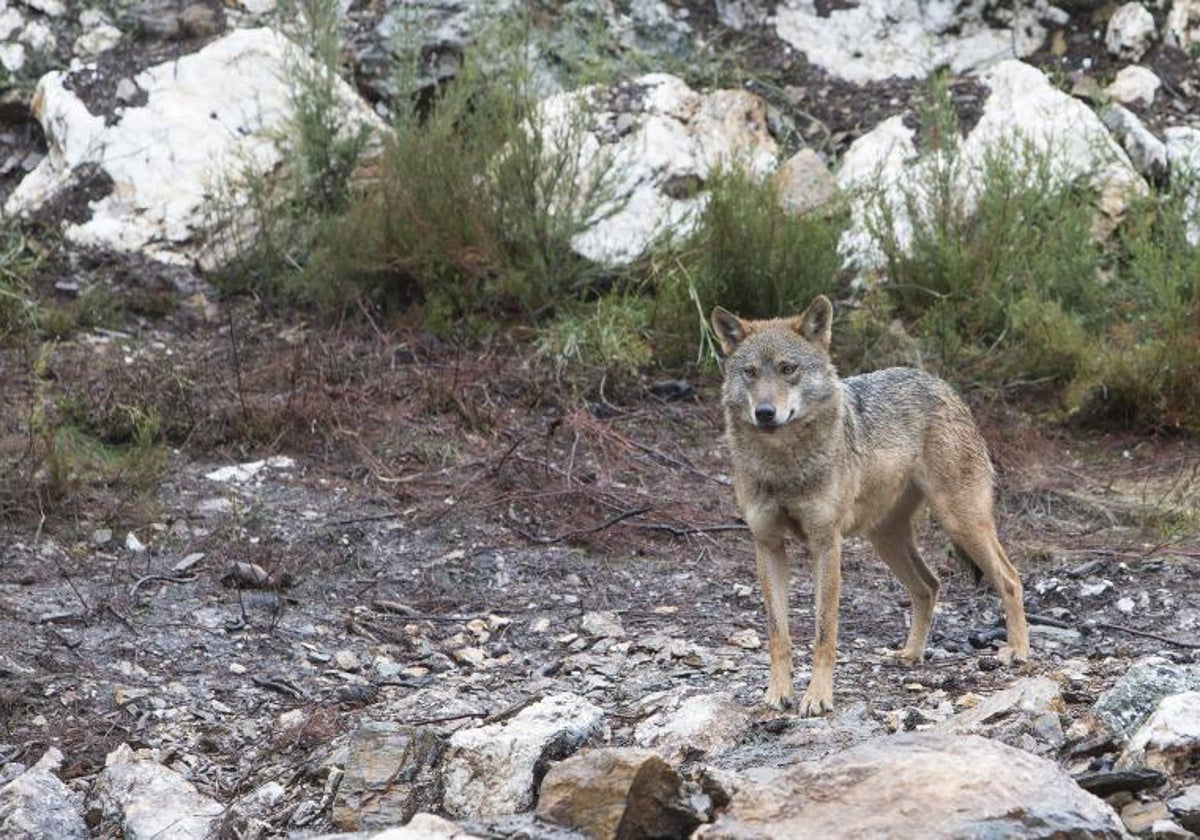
805,183
1140,816
134,544
1170,830
1185,808
746,639
472,656
237,668
346,660
101,537
602,623
539,625
1130,32
1134,85
214,507
127,91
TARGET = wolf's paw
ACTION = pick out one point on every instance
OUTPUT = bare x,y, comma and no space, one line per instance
817,701
779,698
907,655
1009,655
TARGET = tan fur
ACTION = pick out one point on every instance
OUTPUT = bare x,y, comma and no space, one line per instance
819,458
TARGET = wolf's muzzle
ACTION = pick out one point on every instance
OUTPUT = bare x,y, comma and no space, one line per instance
764,413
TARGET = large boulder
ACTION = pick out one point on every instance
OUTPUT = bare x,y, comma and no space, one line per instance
1025,120
642,152
390,776
878,39
141,799
37,804
618,794
495,769
919,784
1170,739
697,727
165,166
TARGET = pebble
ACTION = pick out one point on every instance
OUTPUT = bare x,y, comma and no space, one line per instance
134,544
746,639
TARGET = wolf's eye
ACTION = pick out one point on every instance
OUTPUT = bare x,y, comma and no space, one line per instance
787,368
750,371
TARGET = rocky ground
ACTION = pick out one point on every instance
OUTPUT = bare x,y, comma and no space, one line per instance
364,542
434,539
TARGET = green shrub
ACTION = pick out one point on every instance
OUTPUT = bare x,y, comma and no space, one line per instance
746,254
477,200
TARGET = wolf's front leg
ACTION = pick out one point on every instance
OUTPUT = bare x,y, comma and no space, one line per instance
773,578
827,590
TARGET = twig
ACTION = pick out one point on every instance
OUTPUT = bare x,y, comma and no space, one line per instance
683,532
164,578
1148,635
579,532
445,718
378,517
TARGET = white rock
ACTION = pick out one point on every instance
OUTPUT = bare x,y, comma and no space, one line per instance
12,57
1182,26
37,804
702,725
96,40
1170,739
38,36
239,473
134,544
490,769
602,623
1130,32
143,799
746,638
878,39
805,183
917,784
52,8
1025,115
212,117
420,827
1032,696
663,134
1134,85
1183,164
10,21
1148,155
878,170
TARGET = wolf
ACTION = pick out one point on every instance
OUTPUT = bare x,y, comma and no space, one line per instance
820,457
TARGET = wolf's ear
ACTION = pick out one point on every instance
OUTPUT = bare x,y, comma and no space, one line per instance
816,324
730,329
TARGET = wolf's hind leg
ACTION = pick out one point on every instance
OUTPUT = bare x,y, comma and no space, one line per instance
968,522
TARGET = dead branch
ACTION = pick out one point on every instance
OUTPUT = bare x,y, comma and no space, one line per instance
579,532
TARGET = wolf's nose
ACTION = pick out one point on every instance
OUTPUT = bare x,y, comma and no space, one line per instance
764,412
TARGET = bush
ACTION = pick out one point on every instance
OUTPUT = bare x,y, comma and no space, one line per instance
477,201
1020,290
746,254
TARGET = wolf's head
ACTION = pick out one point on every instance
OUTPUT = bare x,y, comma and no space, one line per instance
777,371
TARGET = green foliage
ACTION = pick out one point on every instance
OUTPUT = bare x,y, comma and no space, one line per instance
1014,286
476,203
612,331
746,254
269,224
326,148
